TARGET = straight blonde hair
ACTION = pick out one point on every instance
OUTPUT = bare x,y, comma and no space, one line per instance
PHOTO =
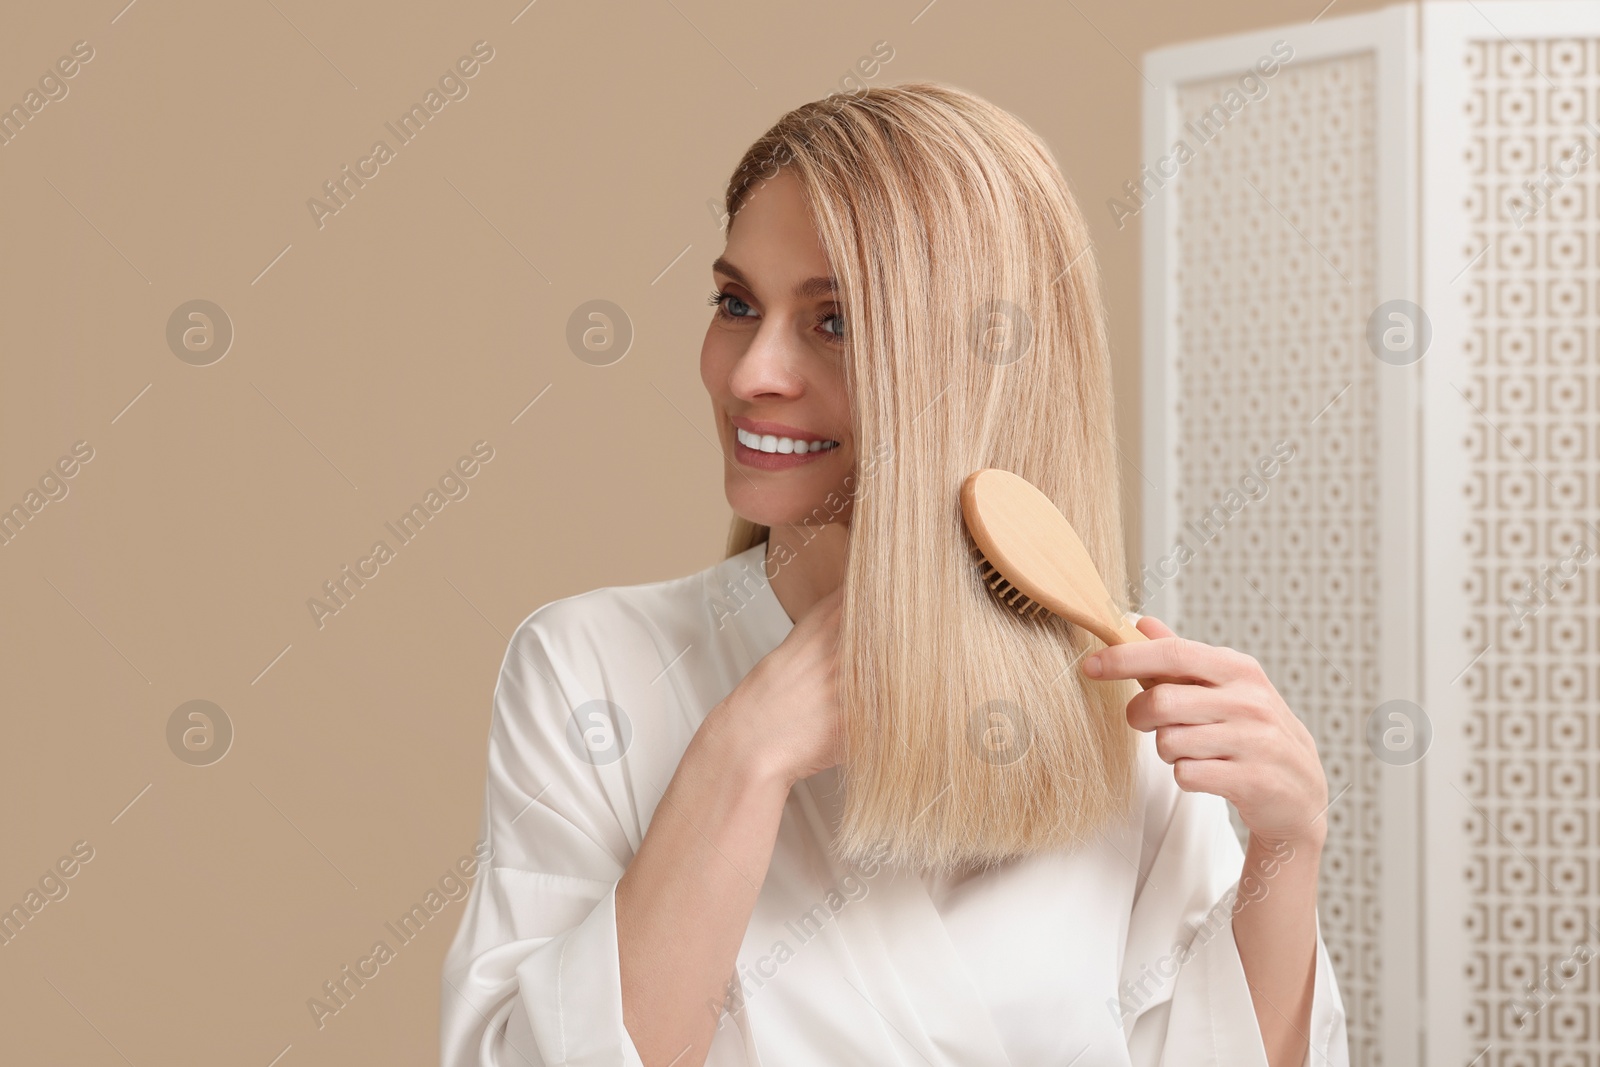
976,338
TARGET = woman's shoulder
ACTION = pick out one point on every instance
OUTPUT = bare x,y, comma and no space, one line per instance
607,621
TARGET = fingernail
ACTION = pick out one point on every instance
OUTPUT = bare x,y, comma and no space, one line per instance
1091,666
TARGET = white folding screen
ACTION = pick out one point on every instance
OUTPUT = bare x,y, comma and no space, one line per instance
1510,240
1372,460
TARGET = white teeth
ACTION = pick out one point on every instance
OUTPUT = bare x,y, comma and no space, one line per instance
782,445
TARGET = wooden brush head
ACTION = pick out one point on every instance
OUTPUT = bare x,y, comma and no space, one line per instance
1033,550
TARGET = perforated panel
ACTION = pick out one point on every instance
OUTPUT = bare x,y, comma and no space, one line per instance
1528,372
1275,222
1434,536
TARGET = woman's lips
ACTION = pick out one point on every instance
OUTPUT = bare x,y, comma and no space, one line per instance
763,460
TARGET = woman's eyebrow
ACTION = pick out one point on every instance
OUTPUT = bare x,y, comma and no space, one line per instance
811,287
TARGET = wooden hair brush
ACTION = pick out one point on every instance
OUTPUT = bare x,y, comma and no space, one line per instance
1033,559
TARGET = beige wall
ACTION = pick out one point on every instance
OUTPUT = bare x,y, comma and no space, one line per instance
366,359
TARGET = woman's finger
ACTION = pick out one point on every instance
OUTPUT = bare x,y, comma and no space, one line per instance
1212,740
1172,658
1217,776
1153,627
1173,703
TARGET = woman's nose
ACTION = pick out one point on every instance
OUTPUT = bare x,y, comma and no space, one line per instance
767,368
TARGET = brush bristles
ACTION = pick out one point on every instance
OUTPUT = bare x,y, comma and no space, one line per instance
1009,595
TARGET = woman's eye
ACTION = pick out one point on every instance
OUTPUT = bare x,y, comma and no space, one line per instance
731,304
731,307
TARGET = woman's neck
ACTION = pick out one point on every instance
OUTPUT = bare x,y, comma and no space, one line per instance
806,563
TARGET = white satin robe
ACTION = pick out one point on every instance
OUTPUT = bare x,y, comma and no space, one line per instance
1095,957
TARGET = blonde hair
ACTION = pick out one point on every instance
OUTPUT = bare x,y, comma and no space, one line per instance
976,339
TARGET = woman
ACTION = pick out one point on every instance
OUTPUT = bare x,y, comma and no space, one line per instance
829,802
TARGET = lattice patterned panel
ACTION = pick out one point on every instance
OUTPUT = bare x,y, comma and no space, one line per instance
1527,367
1275,221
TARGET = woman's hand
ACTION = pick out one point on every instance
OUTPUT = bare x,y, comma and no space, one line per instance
784,715
1220,722
708,847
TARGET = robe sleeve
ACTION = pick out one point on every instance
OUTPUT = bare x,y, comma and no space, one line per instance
532,976
1184,1000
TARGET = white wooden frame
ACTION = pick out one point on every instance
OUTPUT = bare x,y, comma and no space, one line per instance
1391,36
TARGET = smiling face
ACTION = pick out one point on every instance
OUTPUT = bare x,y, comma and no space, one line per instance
773,364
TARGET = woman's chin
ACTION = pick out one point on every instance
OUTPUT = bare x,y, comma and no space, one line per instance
768,516
770,511
792,497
